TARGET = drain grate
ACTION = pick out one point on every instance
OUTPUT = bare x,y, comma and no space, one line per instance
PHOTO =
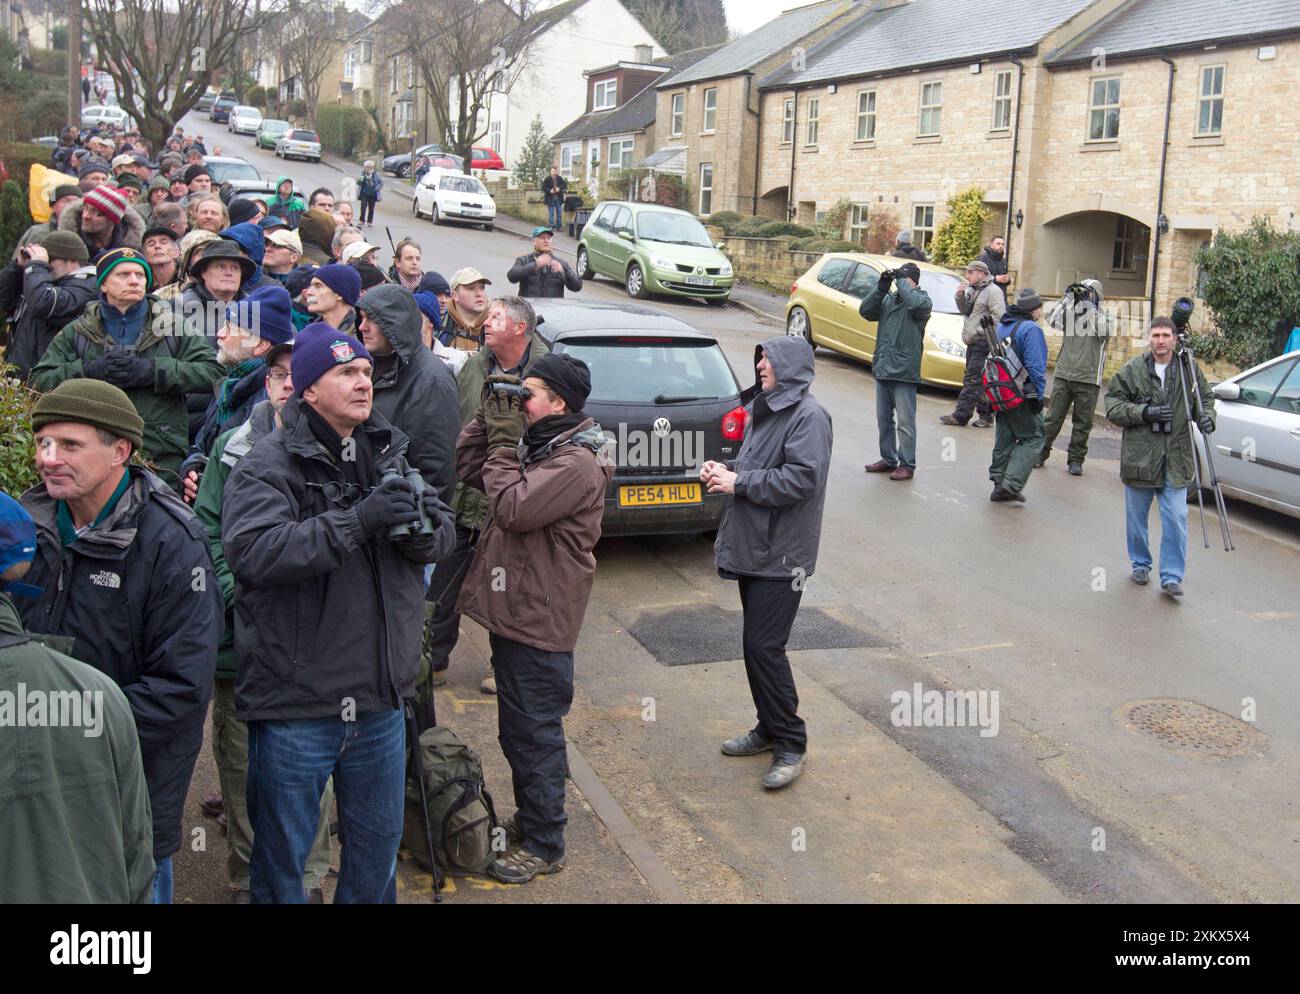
1190,727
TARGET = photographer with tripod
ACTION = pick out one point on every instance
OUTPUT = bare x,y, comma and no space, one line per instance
1149,399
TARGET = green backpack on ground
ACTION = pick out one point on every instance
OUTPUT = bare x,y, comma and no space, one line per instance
461,815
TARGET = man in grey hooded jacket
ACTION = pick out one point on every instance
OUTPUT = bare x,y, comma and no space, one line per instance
768,539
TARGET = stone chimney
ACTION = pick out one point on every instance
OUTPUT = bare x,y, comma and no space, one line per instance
644,53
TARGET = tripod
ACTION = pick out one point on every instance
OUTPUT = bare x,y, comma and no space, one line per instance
1185,359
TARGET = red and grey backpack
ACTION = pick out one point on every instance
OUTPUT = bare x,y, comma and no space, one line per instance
1004,375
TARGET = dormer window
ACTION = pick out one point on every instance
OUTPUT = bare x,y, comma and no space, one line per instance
605,95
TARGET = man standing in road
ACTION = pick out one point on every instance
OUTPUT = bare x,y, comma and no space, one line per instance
995,257
553,190
1147,398
768,540
901,317
977,300
1018,437
1079,367
539,273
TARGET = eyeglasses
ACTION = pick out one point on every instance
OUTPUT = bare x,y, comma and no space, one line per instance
277,375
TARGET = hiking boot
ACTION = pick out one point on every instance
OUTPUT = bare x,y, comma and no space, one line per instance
981,423
1141,576
880,466
1076,469
514,834
1173,588
212,805
948,419
438,678
521,866
1000,496
749,744
785,769
1042,461
902,473
488,685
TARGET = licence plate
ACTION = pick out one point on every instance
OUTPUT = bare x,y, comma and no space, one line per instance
698,281
659,493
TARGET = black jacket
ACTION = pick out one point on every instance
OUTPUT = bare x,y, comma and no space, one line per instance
139,596
323,611
553,189
997,267
40,307
415,391
534,282
247,394
910,251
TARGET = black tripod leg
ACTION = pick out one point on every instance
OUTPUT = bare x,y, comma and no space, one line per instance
417,770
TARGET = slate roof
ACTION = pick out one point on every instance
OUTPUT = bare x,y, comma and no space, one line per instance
928,32
747,51
1166,25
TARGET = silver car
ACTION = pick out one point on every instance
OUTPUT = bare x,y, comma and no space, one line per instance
1257,435
244,120
298,143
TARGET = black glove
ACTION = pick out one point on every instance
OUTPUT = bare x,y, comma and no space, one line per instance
886,281
390,503
504,418
1034,404
1158,413
433,507
95,369
1206,424
129,371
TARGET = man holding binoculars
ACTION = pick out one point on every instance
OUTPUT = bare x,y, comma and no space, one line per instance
1147,399
327,538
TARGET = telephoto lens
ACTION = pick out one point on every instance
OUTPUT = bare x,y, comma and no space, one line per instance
397,531
414,478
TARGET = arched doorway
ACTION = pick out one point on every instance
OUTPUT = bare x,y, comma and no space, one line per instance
1113,246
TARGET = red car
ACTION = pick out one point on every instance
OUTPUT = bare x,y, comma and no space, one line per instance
485,158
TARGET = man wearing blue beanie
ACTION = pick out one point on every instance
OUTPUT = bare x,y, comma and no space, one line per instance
332,296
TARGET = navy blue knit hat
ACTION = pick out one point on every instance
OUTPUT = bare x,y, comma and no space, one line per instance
17,543
427,301
265,312
343,280
317,349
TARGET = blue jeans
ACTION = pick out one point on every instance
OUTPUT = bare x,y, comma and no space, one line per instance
288,764
162,882
555,215
1173,528
896,400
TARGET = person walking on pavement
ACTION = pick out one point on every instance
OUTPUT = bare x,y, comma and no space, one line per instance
125,572
1080,364
540,461
539,273
901,316
995,257
1147,398
370,190
327,621
979,303
1018,437
778,487
554,187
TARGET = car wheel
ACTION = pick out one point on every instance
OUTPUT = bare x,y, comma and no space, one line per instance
415,206
404,170
435,215
636,282
797,325
584,264
488,226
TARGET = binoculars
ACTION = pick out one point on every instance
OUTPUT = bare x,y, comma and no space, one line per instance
511,390
426,526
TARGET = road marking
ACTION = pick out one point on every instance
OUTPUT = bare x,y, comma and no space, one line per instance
458,705
969,648
1269,615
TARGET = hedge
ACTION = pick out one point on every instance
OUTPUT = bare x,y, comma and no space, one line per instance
343,130
815,244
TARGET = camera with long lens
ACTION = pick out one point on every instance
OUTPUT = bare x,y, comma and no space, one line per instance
511,390
404,530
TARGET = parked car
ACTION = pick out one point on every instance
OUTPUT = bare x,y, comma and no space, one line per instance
269,131
400,164
298,143
1257,435
447,195
48,141
221,108
111,114
485,158
652,249
207,100
665,393
239,173
244,120
823,308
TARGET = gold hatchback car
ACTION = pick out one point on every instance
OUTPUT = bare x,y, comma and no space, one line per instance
823,308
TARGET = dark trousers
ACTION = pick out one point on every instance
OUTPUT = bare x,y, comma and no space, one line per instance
1067,394
367,211
769,607
973,399
441,619
534,691
1017,441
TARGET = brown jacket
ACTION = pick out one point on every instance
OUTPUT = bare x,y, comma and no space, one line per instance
531,575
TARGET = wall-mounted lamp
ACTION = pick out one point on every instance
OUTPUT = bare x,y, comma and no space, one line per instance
1020,219
1162,224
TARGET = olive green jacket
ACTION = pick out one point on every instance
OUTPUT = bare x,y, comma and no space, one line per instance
1146,456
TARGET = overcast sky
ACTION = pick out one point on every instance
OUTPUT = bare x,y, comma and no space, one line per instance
746,15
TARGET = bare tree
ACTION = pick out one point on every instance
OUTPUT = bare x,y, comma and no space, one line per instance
311,35
465,51
163,54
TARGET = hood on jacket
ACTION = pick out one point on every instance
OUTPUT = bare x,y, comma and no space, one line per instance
252,240
394,309
129,231
316,227
792,361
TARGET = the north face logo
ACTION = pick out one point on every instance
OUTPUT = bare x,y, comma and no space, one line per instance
106,579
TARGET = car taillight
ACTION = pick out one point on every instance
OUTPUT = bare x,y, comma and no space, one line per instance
733,424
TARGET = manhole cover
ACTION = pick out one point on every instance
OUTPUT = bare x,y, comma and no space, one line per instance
1191,727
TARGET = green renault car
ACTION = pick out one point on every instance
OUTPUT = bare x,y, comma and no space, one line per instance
269,131
652,249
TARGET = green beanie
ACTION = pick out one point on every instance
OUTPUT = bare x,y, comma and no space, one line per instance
90,402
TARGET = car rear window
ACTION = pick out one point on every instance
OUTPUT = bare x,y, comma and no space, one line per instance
222,171
461,184
636,370
303,136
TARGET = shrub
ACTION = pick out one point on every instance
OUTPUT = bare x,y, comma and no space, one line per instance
14,216
882,229
816,244
342,130
296,110
18,158
48,62
46,112
834,221
257,96
1250,285
960,238
17,450
726,220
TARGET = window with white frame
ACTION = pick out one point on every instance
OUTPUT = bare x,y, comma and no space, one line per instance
1129,235
410,69
494,137
364,54
1103,110
349,63
1209,109
570,155
604,94
866,116
678,117
1002,100
922,226
710,110
393,69
931,109
858,222
620,153
814,110
787,122
706,189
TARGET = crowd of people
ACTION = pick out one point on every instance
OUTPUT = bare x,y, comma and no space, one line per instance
273,475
